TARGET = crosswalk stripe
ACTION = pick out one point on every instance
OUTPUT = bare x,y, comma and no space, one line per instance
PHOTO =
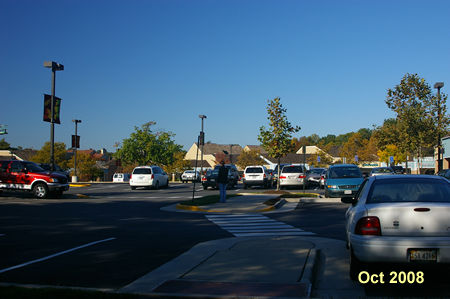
248,225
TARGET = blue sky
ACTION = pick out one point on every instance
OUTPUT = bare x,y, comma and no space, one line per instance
130,62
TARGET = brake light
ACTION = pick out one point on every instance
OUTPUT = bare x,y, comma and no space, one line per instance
264,175
153,176
243,175
302,176
282,177
203,179
131,176
368,226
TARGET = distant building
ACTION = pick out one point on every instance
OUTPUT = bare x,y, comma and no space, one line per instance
213,153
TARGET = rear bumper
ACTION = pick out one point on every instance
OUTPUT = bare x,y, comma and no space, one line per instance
395,249
339,193
141,184
254,182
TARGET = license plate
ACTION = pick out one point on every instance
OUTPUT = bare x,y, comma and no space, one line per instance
292,177
423,255
347,192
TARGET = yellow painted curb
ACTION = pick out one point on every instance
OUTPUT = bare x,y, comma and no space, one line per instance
190,208
272,208
79,185
82,196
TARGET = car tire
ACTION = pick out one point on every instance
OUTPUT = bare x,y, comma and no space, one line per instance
133,188
156,185
40,190
205,187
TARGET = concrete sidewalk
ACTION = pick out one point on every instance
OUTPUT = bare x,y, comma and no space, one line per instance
254,267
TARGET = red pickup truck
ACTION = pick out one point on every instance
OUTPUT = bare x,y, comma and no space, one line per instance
28,176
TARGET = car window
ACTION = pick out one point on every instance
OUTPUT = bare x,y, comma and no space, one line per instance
254,170
409,190
361,190
157,170
3,165
315,170
142,171
33,167
16,166
292,169
344,172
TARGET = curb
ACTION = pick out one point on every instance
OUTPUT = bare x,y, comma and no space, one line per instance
190,208
309,270
79,185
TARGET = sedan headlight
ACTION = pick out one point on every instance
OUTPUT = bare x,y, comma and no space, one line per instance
332,186
54,180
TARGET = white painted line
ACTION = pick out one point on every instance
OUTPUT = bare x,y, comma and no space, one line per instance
274,234
54,255
174,197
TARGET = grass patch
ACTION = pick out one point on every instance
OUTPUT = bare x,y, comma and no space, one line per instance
206,200
13,292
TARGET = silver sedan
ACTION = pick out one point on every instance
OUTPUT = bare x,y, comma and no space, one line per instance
399,219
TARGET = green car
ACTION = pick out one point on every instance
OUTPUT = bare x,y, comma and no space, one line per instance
342,180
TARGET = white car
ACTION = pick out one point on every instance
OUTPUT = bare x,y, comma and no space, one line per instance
256,176
190,175
121,177
292,175
399,219
149,177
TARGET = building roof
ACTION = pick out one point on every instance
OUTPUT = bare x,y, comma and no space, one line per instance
257,148
213,148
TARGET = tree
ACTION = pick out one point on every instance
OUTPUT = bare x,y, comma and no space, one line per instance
251,157
60,153
277,140
391,150
179,164
416,109
145,147
87,168
325,159
4,145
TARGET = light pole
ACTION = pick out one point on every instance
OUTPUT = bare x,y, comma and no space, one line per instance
75,145
55,67
439,85
202,141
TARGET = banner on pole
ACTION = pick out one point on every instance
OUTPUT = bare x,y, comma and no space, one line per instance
48,109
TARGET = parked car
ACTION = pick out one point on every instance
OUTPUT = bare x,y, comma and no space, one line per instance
293,175
399,219
58,169
322,178
149,177
381,171
275,172
444,173
398,169
342,180
121,177
210,178
190,175
256,176
28,176
313,177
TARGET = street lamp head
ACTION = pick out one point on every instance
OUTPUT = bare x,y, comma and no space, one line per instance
439,85
76,121
54,65
202,116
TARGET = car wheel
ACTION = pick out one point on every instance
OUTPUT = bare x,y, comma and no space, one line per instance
133,188
157,185
205,187
40,190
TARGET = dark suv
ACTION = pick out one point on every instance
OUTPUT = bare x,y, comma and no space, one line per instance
210,179
28,176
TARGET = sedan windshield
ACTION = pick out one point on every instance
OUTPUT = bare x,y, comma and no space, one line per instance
142,171
345,172
409,190
254,170
33,167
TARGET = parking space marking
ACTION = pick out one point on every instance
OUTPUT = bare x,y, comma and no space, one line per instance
55,255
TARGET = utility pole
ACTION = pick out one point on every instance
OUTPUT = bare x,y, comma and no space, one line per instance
439,85
75,145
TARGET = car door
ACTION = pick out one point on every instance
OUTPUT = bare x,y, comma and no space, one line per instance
18,176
